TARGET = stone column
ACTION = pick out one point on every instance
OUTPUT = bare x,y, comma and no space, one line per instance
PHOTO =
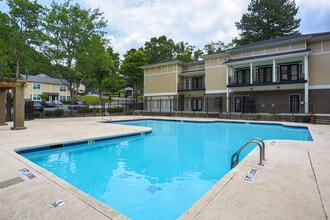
3,107
19,108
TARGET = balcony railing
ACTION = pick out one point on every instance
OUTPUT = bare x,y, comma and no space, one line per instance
282,79
191,87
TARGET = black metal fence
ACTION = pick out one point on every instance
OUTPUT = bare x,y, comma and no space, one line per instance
219,105
202,106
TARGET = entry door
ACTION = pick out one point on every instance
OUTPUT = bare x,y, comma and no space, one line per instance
294,103
197,104
237,104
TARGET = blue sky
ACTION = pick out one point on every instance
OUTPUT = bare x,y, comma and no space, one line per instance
133,22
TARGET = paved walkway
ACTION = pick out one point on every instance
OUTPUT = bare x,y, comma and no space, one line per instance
293,184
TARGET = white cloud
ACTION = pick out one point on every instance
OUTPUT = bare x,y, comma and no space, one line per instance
133,22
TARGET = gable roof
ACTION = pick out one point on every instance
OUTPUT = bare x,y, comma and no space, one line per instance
43,78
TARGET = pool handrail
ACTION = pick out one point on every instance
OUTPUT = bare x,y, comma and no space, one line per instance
259,142
137,112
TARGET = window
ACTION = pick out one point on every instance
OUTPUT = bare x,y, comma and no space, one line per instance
265,74
62,98
198,83
35,97
187,104
62,88
187,84
36,86
243,76
290,72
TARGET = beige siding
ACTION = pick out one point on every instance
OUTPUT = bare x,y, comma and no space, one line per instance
214,62
247,54
326,46
216,78
270,50
258,52
319,69
236,55
298,46
163,83
283,48
315,47
171,68
194,67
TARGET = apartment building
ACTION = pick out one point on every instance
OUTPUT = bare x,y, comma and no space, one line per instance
282,75
54,88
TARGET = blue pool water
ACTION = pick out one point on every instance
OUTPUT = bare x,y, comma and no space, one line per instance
156,175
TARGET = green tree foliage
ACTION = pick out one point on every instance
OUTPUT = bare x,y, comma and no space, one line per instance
5,56
214,47
131,70
184,52
159,49
267,19
24,29
69,29
95,62
114,82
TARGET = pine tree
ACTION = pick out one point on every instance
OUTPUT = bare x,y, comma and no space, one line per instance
267,19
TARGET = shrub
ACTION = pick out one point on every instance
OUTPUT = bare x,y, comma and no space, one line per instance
58,112
49,112
116,109
37,114
84,110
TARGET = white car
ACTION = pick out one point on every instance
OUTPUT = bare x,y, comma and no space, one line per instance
57,103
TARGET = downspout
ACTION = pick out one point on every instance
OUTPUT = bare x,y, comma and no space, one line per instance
274,71
251,73
227,89
306,85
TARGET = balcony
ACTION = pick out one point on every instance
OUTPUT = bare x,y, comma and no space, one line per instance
264,80
192,84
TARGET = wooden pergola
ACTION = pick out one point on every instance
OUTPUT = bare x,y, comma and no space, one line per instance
18,87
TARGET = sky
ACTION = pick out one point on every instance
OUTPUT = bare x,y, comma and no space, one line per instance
198,22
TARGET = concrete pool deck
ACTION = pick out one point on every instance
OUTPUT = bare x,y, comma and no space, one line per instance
294,183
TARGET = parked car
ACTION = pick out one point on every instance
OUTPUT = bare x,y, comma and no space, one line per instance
48,104
79,104
38,107
57,103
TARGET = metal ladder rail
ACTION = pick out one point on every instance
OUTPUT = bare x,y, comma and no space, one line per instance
263,146
137,112
259,142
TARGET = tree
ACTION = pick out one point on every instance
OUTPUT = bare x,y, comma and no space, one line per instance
69,29
267,19
6,58
159,49
25,28
214,47
184,52
131,70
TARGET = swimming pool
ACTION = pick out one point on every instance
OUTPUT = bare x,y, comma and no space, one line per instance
157,175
